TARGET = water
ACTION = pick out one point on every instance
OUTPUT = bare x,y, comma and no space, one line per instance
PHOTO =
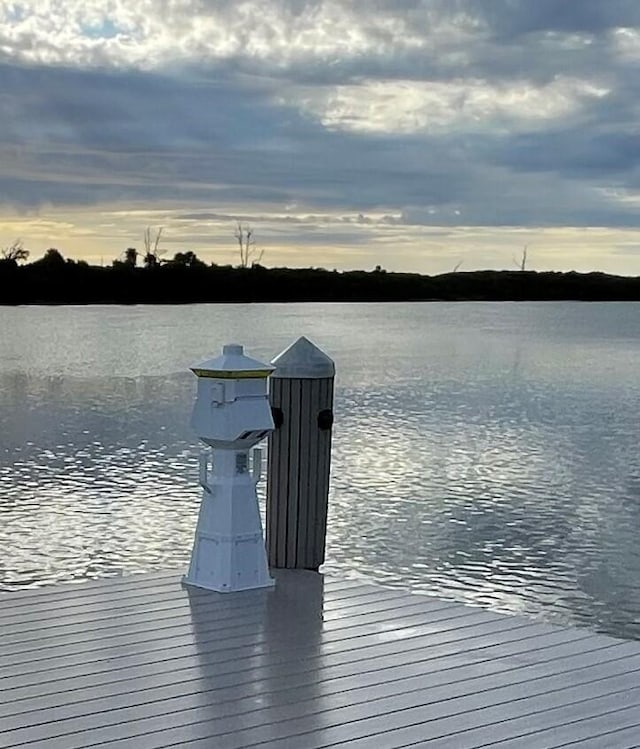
482,452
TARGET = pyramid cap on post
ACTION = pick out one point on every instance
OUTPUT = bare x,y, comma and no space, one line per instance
232,364
303,360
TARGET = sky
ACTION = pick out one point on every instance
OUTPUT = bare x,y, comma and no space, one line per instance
418,135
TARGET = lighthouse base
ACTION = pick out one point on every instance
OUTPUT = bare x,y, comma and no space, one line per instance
228,550
226,565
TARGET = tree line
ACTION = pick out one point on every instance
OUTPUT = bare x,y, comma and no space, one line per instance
185,278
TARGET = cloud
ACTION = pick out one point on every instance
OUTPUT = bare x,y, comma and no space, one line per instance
432,112
576,154
279,34
437,106
516,17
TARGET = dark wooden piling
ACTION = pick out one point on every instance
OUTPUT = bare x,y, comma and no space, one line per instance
301,395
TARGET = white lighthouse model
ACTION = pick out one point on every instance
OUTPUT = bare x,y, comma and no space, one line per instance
231,414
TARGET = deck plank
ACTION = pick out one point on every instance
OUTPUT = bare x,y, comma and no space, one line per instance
69,590
225,637
190,707
176,691
608,726
316,662
477,651
16,640
593,734
228,638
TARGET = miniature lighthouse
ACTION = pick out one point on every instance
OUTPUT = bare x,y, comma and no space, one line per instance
231,415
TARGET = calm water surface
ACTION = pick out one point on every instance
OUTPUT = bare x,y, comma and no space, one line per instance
483,452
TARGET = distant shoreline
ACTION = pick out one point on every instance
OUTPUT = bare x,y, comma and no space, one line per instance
70,282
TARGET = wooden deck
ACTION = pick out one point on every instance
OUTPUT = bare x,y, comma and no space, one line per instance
141,663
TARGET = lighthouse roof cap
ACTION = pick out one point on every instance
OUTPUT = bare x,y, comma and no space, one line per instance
232,364
303,360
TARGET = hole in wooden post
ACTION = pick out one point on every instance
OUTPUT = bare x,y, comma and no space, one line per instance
325,419
278,416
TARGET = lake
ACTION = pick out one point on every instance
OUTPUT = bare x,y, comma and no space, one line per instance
483,452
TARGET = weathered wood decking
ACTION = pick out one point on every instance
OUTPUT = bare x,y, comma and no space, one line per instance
142,663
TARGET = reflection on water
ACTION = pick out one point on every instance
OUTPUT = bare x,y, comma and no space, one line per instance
482,452
91,485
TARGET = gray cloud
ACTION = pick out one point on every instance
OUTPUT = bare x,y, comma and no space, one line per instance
513,17
464,112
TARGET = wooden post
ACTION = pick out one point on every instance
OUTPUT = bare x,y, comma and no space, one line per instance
301,395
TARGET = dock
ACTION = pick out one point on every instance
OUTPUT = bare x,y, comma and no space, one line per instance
142,662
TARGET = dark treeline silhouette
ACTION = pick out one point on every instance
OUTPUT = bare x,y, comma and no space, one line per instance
56,280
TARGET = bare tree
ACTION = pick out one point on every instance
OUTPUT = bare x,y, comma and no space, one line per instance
522,263
152,249
249,254
15,251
